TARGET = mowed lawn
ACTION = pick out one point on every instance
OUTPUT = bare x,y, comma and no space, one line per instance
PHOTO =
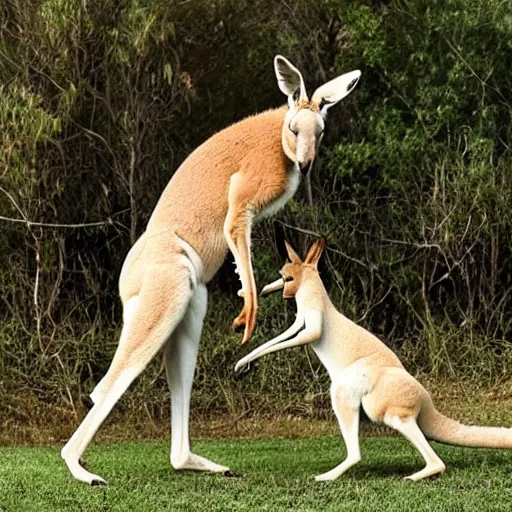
274,475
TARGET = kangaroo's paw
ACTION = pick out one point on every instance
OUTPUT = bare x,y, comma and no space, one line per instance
325,477
197,463
426,472
246,319
240,321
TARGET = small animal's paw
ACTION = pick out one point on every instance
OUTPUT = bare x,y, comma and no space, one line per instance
242,368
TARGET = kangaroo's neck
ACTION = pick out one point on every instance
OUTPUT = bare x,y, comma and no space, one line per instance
313,295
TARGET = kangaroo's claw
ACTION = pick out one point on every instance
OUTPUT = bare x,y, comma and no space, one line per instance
246,319
239,321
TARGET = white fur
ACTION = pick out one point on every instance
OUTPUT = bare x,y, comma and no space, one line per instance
193,261
337,89
289,78
180,361
124,369
129,309
353,383
278,204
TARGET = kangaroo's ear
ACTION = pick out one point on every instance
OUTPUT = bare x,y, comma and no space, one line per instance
330,93
294,257
315,252
289,79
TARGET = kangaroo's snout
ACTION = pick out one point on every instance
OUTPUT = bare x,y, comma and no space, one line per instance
304,167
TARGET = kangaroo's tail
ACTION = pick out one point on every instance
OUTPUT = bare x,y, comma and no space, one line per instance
438,427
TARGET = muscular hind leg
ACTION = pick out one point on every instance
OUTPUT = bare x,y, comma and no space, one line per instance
396,400
346,407
180,361
410,429
129,312
150,318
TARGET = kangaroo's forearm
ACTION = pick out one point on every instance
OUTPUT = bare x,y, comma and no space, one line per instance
237,231
311,333
293,329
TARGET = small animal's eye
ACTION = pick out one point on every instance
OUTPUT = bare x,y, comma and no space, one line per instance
295,132
287,279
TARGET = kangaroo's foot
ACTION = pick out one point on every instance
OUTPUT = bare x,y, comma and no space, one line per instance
429,470
194,462
410,429
80,473
338,470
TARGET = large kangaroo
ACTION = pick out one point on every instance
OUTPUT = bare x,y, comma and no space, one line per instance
246,171
364,372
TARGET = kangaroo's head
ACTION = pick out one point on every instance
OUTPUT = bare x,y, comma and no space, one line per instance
296,272
304,122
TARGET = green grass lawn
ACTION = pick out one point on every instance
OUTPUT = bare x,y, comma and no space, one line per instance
275,475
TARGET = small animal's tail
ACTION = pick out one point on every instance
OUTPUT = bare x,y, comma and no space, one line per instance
439,428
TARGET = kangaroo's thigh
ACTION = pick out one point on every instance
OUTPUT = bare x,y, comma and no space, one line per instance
394,393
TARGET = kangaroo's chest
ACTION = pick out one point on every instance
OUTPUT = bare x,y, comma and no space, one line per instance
292,183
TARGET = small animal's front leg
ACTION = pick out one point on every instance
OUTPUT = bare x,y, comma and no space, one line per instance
237,230
311,333
293,329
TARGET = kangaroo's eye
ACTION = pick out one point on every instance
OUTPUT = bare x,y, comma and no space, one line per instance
287,279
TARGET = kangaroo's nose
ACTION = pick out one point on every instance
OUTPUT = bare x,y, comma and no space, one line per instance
304,166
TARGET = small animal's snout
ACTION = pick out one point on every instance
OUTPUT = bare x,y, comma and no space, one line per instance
304,166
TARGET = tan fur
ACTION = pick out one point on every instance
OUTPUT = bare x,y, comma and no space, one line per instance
365,372
195,202
310,105
243,172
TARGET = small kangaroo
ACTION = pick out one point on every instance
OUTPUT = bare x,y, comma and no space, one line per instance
244,172
364,372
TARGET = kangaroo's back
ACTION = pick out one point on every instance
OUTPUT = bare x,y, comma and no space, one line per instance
195,202
344,342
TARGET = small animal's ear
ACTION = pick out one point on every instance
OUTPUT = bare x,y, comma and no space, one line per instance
289,79
294,257
315,252
330,93
279,238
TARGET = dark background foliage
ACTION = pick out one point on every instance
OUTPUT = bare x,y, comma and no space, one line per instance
101,101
